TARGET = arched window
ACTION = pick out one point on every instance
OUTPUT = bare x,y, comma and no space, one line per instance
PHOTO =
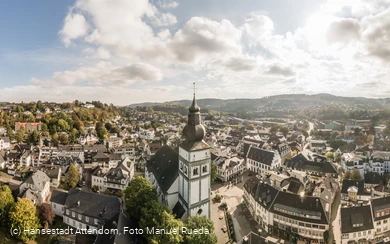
204,169
200,211
195,171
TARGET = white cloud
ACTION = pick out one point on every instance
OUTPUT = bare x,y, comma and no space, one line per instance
103,73
75,26
167,4
202,37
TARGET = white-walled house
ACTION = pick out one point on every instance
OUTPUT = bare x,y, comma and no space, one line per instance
36,188
57,201
5,143
261,160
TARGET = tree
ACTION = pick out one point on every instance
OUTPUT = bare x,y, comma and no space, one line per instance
137,194
213,171
23,216
72,176
34,137
284,130
95,188
356,175
19,136
329,154
155,215
107,191
101,133
200,222
46,213
63,138
326,236
347,175
6,201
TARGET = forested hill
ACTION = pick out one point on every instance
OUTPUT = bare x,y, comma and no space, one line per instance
291,101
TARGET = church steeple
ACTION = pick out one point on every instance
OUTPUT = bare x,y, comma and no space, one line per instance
194,130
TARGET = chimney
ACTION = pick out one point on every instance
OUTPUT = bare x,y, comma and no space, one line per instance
78,203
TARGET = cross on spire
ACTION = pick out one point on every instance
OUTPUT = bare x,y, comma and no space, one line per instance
194,88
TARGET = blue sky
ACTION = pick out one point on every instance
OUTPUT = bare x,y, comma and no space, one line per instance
129,51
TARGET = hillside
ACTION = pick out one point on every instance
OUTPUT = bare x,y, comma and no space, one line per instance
291,101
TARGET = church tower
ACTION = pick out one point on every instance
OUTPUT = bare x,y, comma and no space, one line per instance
194,166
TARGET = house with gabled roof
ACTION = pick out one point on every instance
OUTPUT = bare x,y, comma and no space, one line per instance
261,160
36,188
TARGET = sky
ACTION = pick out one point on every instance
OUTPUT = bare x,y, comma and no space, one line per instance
131,51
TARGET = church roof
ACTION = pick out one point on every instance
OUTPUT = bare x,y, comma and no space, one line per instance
164,165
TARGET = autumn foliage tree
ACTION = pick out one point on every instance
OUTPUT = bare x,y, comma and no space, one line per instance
72,176
46,214
23,216
6,201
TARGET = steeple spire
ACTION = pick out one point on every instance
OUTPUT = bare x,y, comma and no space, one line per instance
194,130
194,106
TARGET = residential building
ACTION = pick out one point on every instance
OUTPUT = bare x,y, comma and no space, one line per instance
36,188
356,224
262,160
228,168
5,143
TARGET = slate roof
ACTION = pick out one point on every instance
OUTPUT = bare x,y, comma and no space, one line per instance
58,196
358,183
165,167
360,216
261,191
38,179
92,204
308,206
372,178
261,155
301,163
379,204
194,146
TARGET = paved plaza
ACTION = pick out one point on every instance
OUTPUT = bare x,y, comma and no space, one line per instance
242,219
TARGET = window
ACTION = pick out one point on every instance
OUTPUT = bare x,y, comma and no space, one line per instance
54,205
67,212
73,214
204,169
96,221
81,226
80,216
195,171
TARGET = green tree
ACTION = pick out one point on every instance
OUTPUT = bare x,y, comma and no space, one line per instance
284,130
200,222
23,216
63,125
214,169
139,192
95,188
356,175
6,201
329,154
326,236
101,133
155,215
19,136
72,177
34,137
347,175
55,139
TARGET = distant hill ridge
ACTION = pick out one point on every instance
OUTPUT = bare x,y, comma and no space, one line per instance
282,101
